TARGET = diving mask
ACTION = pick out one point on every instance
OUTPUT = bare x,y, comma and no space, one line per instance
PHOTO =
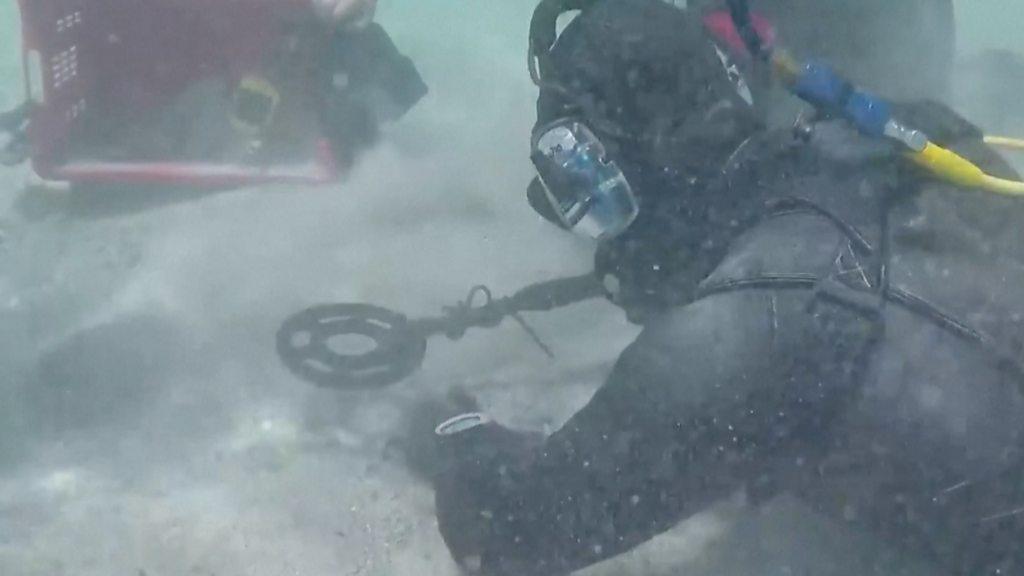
588,192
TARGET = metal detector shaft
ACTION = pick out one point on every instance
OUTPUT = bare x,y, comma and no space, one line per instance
394,346
552,294
539,297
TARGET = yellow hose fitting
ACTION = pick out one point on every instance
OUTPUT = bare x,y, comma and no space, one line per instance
949,166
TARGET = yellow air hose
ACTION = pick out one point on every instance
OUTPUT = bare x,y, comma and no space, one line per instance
1004,142
942,163
951,167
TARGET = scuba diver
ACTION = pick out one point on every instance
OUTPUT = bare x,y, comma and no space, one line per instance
365,80
272,85
340,62
820,318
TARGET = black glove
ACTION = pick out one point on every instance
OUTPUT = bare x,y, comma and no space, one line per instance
479,462
368,82
376,73
416,444
644,277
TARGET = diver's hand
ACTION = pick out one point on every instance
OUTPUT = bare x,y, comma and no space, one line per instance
346,13
480,457
415,444
636,278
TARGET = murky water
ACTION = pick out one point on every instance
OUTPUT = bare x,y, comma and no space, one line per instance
148,428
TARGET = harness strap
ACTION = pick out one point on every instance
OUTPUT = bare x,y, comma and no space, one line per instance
866,301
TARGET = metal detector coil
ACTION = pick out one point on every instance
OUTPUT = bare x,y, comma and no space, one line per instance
361,346
304,343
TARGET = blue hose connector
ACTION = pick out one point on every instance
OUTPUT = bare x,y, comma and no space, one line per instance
821,87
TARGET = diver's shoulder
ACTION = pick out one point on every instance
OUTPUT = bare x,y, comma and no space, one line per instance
822,162
828,140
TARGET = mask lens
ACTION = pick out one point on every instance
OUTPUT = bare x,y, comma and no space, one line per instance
588,193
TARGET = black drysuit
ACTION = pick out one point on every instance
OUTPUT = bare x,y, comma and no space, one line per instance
841,328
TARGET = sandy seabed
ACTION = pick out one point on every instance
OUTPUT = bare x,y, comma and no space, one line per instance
148,429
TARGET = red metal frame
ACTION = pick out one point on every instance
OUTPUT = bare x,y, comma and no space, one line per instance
320,170
127,57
